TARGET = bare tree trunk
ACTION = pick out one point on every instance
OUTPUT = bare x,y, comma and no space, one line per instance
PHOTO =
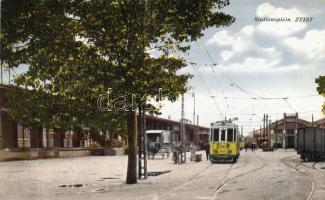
131,176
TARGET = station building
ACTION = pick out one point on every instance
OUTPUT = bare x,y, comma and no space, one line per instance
282,132
19,142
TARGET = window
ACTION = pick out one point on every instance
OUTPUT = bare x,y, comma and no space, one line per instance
230,135
236,135
223,135
216,134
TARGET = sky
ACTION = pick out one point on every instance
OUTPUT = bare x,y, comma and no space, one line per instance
258,67
252,67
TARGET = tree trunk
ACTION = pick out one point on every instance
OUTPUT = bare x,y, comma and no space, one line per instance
131,176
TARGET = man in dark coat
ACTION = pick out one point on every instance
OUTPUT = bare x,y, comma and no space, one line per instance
207,150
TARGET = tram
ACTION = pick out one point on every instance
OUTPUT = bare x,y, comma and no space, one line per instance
224,141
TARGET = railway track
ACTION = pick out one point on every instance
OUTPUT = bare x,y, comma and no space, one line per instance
190,180
197,177
311,178
225,180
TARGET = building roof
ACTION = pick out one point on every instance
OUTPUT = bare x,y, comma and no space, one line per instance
173,121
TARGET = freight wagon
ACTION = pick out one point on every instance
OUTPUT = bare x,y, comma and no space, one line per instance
311,143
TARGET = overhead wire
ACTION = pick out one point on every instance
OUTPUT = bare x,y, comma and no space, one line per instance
206,85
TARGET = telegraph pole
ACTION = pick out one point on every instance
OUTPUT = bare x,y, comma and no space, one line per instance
276,133
242,130
183,133
264,126
267,130
254,135
193,95
193,122
260,135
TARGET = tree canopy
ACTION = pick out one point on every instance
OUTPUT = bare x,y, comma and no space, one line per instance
75,50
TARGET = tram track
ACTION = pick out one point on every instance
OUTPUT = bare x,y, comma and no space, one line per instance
311,178
197,176
225,180
190,180
311,167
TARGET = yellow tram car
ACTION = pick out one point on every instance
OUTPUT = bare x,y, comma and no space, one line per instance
224,141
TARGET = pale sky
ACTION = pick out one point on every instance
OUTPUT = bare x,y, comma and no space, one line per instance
257,59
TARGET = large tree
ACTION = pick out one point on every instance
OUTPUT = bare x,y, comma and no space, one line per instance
76,50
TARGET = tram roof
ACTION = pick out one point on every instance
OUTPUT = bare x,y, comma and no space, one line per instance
223,124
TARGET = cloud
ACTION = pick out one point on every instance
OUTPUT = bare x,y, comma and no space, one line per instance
312,46
270,46
279,28
222,38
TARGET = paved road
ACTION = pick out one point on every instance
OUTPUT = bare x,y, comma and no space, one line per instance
258,175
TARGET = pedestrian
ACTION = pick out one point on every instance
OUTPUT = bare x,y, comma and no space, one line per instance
207,150
152,149
252,147
246,146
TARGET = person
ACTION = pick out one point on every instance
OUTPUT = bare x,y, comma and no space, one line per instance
153,149
246,146
252,147
207,150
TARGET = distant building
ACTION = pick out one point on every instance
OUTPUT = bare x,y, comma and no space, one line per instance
282,132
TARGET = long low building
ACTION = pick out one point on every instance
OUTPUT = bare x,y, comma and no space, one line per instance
16,140
282,132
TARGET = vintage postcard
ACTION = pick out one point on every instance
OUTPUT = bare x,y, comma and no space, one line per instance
162,99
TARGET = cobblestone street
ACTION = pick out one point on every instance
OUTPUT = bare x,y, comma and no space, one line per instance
258,175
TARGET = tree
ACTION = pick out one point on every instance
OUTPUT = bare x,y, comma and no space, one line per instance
321,87
76,50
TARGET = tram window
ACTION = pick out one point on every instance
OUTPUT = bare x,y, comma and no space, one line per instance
230,135
216,135
235,136
223,135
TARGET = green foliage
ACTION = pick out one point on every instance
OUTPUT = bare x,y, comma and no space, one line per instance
76,50
321,87
321,84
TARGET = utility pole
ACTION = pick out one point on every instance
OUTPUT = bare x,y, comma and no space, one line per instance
276,133
143,152
260,137
312,120
193,95
267,130
183,133
253,134
197,126
195,131
242,130
263,126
